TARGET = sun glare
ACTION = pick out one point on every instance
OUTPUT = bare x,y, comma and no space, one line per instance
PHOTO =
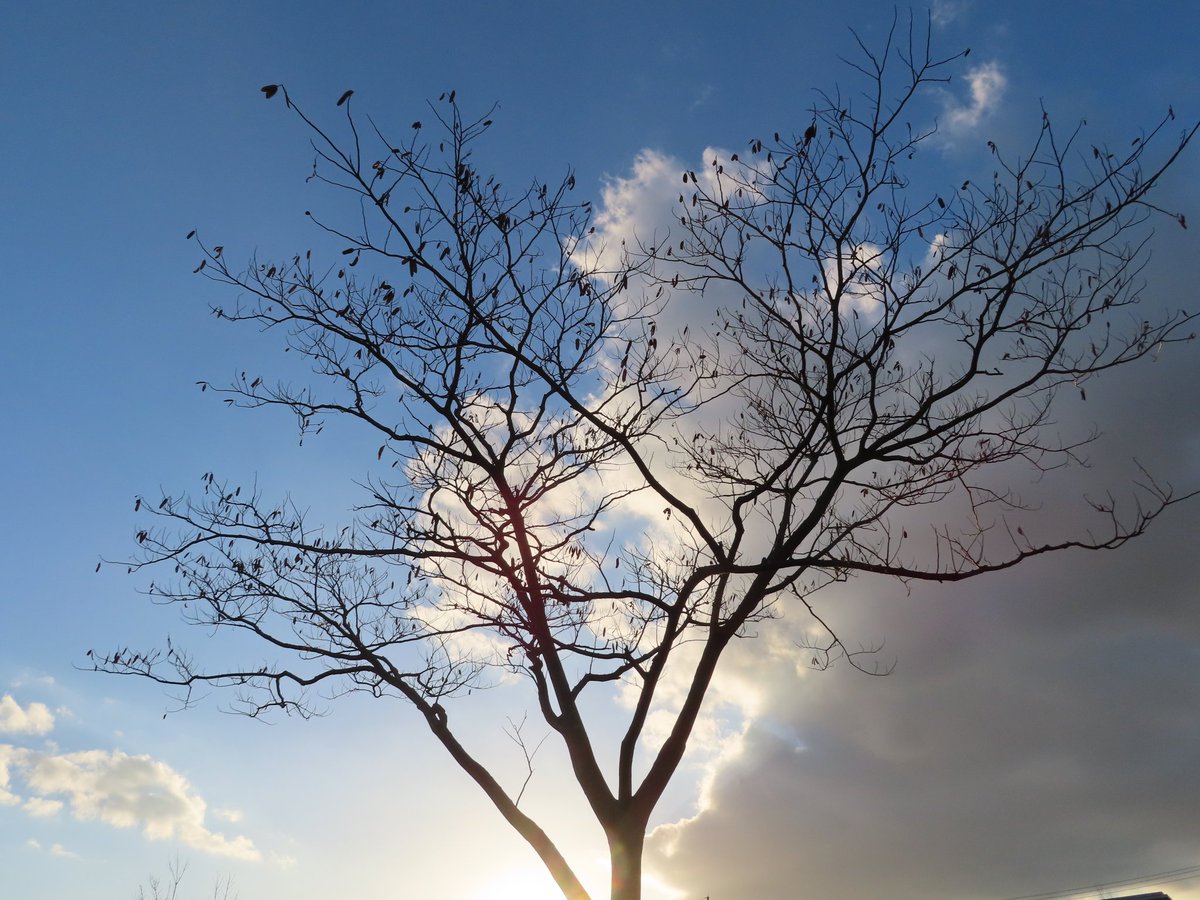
533,884
519,884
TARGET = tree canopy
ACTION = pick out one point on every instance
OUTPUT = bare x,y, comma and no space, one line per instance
599,463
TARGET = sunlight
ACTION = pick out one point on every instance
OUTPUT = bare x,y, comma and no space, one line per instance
531,883
527,883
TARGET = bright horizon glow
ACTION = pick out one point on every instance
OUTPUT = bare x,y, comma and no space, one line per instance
531,883
525,883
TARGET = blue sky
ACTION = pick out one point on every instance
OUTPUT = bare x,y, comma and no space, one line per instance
1039,732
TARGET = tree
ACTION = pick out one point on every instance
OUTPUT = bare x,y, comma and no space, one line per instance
579,485
168,889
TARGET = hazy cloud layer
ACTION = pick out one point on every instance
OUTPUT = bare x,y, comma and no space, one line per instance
943,12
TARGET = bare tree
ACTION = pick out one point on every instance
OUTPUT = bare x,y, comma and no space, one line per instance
879,361
168,889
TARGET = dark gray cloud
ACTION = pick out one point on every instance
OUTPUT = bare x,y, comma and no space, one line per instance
1041,729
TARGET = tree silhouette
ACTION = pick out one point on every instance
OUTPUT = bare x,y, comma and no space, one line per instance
598,464
157,888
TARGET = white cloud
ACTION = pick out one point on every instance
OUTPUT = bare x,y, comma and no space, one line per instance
120,790
42,681
987,83
60,851
633,208
8,755
54,849
644,206
41,807
943,12
863,274
35,718
233,816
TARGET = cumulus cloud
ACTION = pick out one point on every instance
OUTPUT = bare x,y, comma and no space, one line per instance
35,718
120,790
634,208
7,757
1052,707
986,84
642,208
41,807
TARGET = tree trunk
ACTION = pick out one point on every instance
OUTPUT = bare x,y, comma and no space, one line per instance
625,849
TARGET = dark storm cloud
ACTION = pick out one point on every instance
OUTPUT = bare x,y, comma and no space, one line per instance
1041,729
1012,750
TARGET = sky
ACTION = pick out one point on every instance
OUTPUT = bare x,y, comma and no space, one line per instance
1041,729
